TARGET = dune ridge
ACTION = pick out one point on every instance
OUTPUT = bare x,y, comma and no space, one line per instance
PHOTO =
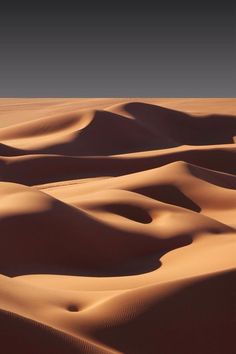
117,224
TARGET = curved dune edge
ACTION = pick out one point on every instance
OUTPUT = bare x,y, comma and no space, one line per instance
117,226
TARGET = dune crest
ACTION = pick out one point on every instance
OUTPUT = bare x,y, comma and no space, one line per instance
117,223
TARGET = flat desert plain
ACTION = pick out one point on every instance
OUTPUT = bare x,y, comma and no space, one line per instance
117,226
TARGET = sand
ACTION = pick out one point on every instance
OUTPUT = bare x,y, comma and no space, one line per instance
117,224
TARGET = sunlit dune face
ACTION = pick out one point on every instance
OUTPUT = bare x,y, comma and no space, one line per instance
117,226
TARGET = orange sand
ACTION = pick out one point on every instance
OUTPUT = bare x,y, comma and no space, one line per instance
117,224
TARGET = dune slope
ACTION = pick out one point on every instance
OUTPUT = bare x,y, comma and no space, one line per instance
117,226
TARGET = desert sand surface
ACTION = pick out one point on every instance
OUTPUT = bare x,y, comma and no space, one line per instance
117,224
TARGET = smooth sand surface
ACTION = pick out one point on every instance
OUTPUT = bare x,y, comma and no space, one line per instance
117,226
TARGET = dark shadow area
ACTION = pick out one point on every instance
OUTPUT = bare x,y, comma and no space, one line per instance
109,133
73,308
67,242
6,150
47,169
22,335
195,316
214,177
184,128
131,212
152,128
216,159
133,267
169,194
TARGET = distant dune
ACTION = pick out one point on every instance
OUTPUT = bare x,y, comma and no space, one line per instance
117,226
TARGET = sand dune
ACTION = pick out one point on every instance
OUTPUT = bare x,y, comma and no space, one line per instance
117,222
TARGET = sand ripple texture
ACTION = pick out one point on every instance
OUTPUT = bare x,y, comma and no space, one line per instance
117,226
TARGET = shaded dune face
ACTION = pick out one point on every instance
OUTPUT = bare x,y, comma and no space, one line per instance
117,226
96,132
88,238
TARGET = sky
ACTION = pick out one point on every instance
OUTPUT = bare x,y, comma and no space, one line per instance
118,49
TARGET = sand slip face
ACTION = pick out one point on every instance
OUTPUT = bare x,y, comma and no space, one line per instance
117,226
